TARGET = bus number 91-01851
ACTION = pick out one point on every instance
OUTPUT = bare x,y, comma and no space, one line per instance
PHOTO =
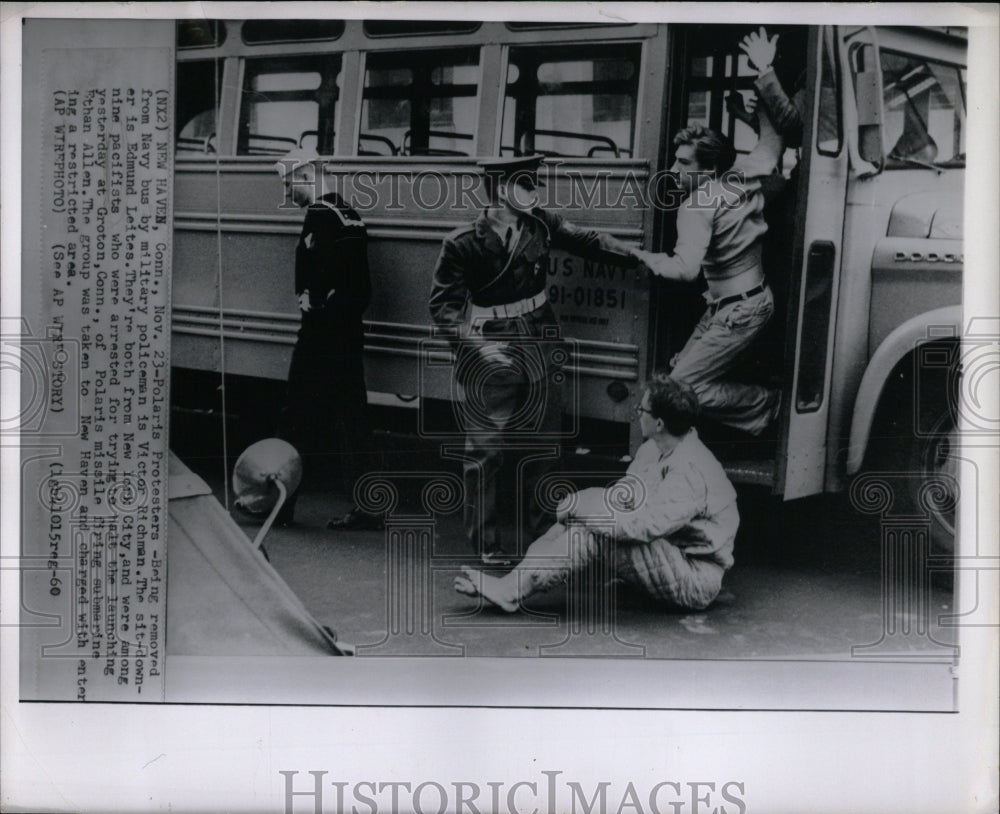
587,296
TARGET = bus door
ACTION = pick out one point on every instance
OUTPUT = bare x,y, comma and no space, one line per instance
713,85
822,178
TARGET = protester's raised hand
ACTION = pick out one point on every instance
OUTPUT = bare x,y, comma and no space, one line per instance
759,49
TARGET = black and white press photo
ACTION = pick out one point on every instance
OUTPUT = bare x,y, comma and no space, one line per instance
583,359
478,276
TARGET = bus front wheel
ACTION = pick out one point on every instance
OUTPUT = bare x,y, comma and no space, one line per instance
917,444
935,493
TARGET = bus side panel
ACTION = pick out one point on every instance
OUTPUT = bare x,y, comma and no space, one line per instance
410,207
904,285
877,296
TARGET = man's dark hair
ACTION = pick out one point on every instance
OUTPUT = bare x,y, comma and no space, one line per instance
713,150
673,402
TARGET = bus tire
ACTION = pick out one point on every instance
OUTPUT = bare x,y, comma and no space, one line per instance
918,448
933,454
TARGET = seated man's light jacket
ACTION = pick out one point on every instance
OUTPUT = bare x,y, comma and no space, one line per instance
685,498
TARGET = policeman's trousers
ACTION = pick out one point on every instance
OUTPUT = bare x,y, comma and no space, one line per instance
325,416
518,423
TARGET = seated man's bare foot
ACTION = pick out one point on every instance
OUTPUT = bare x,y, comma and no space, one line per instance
475,583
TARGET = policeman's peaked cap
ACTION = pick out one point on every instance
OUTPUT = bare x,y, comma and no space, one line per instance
295,159
521,170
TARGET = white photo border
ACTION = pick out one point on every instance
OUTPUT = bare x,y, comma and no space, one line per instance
199,757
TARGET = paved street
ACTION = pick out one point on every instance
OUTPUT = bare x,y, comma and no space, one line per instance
807,584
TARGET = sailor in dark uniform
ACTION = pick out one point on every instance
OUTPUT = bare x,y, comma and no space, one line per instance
489,295
326,381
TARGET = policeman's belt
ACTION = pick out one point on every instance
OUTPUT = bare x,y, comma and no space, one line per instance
508,311
713,307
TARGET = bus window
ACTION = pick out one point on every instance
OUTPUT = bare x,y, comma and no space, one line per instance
712,81
423,28
420,103
924,110
200,33
828,138
720,83
287,103
265,32
577,101
198,85
529,25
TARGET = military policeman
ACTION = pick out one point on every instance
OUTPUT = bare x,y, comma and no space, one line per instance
326,381
489,296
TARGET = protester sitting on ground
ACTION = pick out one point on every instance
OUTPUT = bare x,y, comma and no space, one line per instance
667,527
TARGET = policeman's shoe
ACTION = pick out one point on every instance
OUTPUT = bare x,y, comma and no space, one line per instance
496,558
357,520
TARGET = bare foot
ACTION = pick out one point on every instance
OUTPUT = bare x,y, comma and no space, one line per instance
475,583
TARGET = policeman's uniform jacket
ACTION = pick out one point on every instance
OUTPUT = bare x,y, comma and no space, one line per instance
327,368
326,385
476,272
331,261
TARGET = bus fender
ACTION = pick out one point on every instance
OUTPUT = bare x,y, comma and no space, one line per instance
894,347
